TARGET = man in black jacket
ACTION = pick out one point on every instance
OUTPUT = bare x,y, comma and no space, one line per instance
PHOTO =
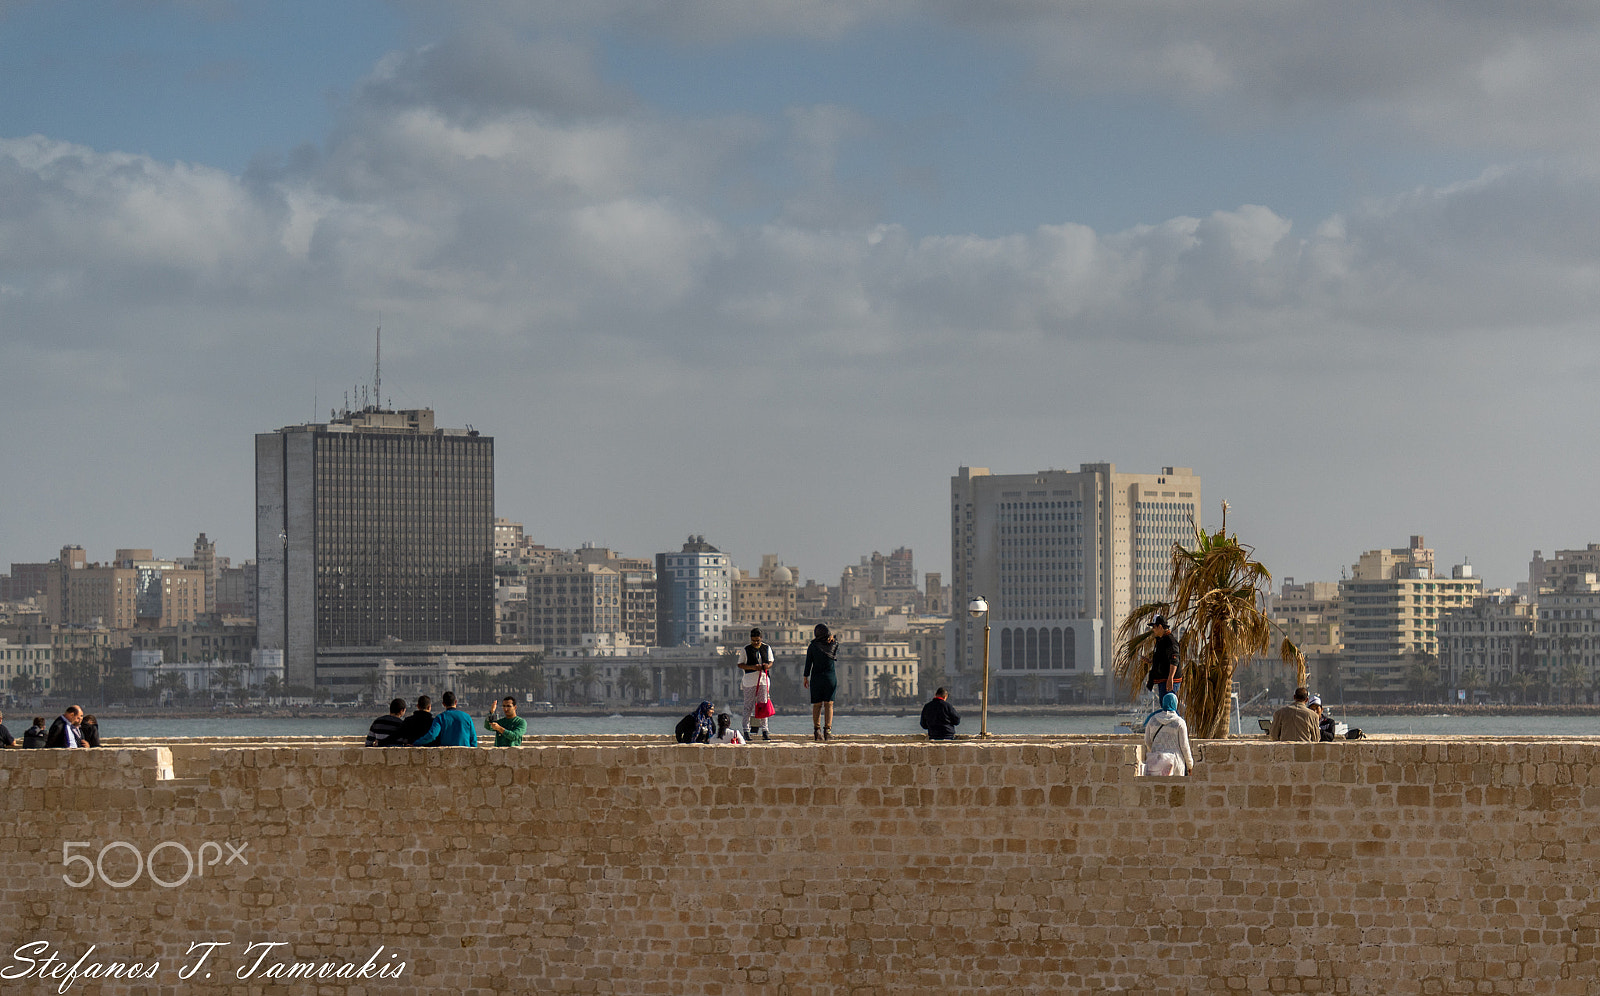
417,725
939,718
1164,675
64,731
6,739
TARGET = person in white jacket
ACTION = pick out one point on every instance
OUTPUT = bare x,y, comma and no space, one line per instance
1166,741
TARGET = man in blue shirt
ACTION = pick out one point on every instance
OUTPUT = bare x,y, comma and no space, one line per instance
451,728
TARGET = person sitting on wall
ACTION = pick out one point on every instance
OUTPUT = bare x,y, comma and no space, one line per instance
726,734
451,728
1295,722
418,723
64,731
940,718
35,735
698,727
6,739
385,730
1324,721
1166,741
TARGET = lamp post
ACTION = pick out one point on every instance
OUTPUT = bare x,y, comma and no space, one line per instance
980,607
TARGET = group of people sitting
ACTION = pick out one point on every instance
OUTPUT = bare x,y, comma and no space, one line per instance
71,729
1306,721
451,728
707,726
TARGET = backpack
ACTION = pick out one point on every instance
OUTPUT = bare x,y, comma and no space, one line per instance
686,728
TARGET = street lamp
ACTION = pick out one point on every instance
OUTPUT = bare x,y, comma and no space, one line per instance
980,607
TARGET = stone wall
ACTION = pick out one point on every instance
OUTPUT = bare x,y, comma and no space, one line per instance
609,865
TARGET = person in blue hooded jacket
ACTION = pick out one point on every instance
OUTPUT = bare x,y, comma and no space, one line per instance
451,728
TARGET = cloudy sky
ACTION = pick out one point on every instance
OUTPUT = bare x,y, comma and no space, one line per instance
772,270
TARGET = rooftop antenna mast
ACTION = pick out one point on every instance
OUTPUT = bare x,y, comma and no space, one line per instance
377,368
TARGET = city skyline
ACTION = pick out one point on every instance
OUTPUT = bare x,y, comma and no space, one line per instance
786,269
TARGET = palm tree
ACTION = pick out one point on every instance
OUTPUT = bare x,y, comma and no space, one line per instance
885,685
1572,677
1214,600
633,682
478,680
272,686
1471,681
585,675
1368,681
1422,675
23,685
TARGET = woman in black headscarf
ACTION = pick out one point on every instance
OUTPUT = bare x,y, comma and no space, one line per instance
819,677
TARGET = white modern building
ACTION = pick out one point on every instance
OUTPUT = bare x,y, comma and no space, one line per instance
1062,557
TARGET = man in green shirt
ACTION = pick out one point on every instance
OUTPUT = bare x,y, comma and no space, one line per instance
508,729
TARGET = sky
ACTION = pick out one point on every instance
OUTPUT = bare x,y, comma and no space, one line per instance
772,271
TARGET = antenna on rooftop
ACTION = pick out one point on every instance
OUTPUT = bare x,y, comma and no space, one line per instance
377,367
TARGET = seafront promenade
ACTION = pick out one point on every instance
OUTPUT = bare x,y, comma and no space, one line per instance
615,864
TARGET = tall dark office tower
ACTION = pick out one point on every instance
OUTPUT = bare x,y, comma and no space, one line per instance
373,527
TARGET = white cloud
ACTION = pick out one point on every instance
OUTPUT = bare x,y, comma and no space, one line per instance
539,254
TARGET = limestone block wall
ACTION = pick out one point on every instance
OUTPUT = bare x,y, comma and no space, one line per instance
622,866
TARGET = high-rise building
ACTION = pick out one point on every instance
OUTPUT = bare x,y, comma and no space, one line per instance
375,527
1389,615
210,566
1061,557
694,594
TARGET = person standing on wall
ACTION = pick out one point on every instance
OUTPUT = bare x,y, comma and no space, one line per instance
757,686
1164,676
820,679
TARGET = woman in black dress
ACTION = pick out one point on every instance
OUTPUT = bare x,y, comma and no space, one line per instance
819,677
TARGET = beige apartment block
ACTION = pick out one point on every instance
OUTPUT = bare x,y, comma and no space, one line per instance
1390,615
1062,557
638,576
566,601
135,590
1308,615
34,663
768,599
